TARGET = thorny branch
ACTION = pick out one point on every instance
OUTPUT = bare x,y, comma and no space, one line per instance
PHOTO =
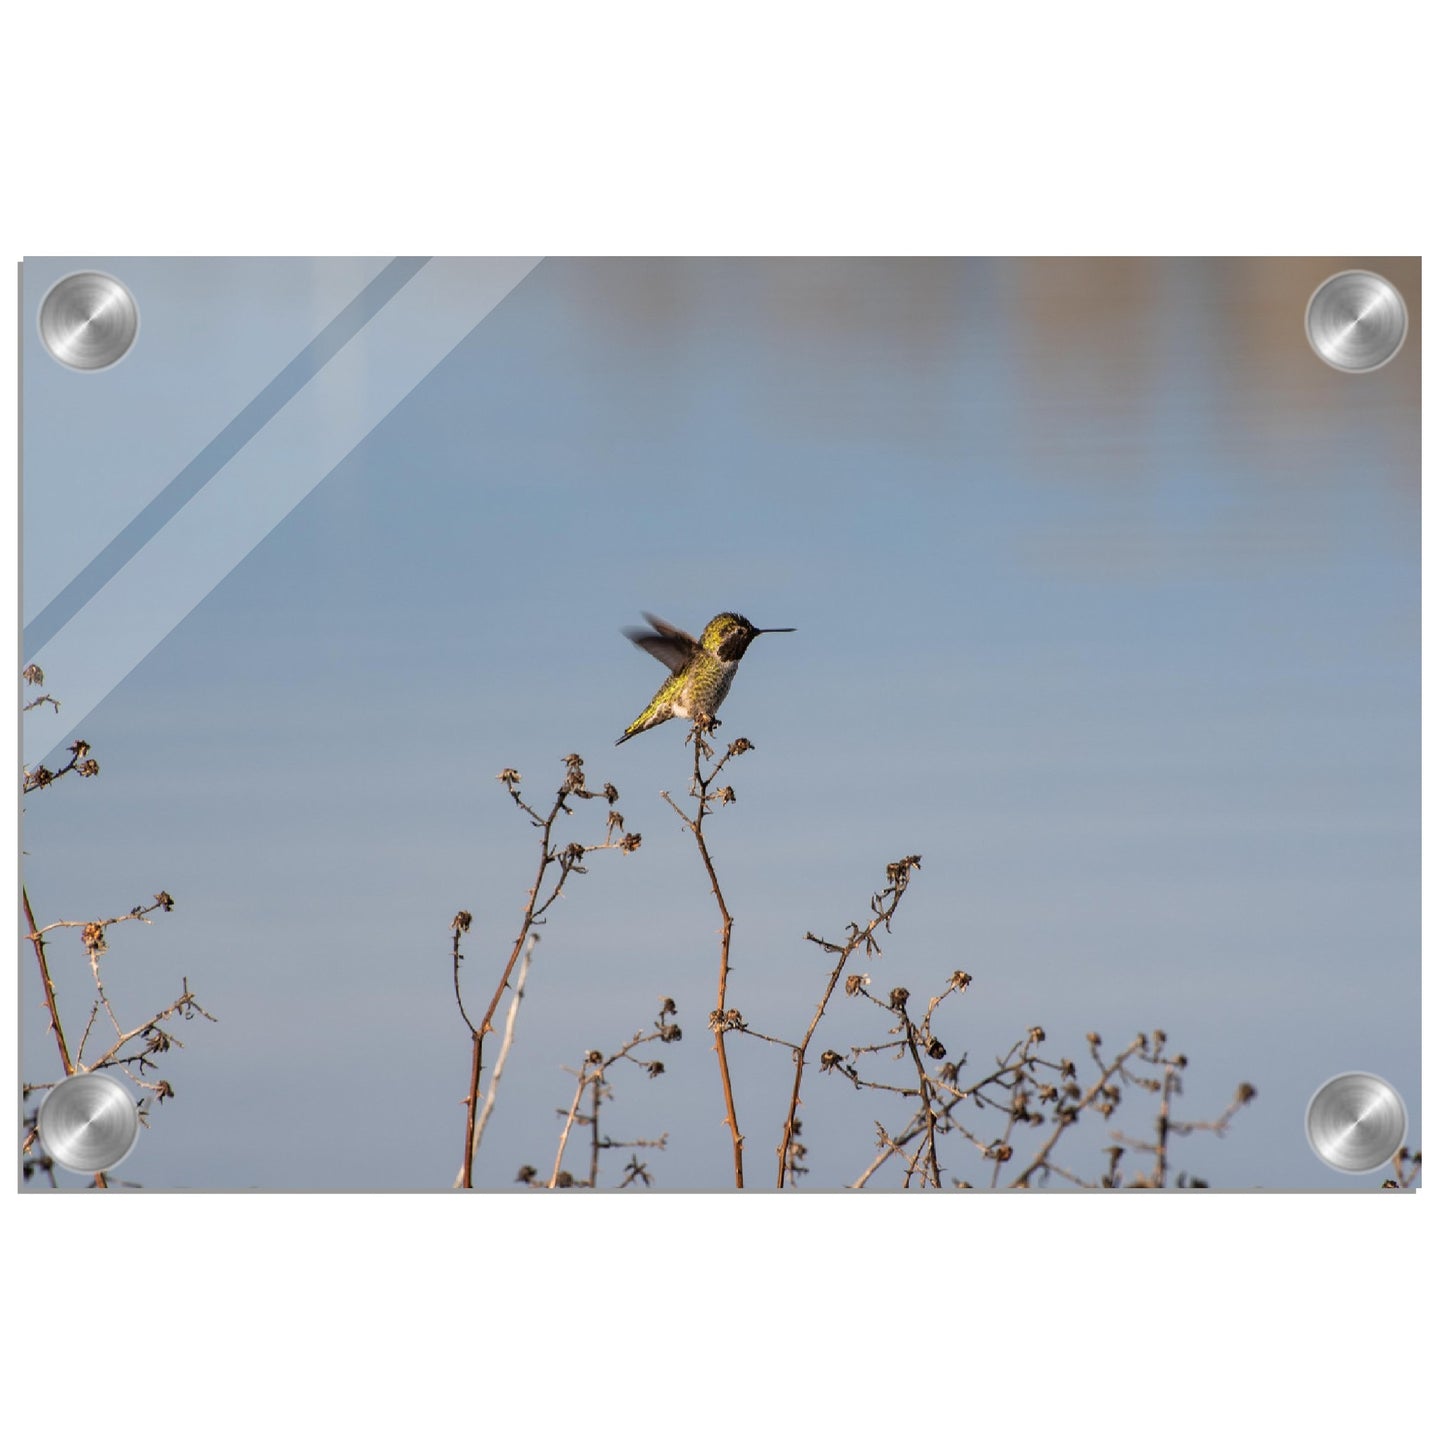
566,859
883,906
1037,1092
135,1049
593,1076
722,1018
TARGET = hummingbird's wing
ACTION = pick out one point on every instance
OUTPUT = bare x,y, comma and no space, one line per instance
670,645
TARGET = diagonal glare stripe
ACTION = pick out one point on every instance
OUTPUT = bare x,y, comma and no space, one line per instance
251,494
212,457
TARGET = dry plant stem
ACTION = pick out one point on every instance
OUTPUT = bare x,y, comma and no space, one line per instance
583,1079
38,941
884,905
186,1003
700,787
509,1032
568,860
478,1034
593,1075
1161,1168
925,1096
596,1122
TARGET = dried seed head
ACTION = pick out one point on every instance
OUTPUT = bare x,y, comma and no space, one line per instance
510,776
461,922
854,982
936,1050
898,998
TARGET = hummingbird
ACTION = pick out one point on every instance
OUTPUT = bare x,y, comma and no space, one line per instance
702,668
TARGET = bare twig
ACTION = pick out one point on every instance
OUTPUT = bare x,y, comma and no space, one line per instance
80,764
883,905
568,860
38,943
722,1018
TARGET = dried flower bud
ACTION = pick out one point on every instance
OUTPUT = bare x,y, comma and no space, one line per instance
92,936
654,1068
960,980
670,1033
936,1050
593,1056
854,982
526,1174
898,998
631,842
79,748
610,793
511,776
1036,1035
565,1180
830,1060
462,922
738,746
1245,1092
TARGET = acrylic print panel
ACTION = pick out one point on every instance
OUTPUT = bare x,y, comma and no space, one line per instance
1081,806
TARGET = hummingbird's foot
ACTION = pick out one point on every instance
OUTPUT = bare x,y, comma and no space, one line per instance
698,733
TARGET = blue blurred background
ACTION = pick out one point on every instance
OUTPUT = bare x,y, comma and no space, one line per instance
1108,604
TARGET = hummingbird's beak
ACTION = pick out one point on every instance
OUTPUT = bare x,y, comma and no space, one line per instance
774,629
